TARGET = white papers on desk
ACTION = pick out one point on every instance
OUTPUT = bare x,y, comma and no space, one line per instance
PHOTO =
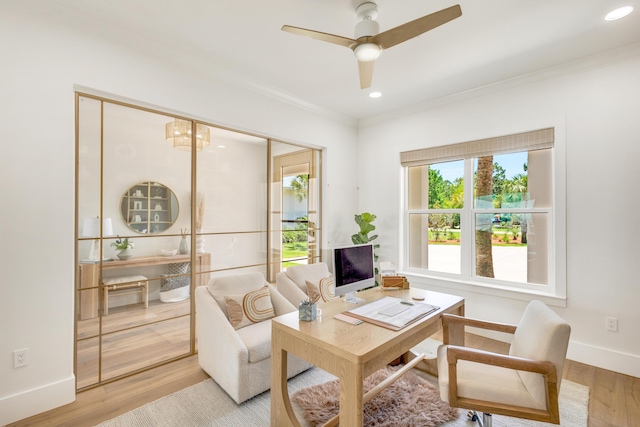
371,313
387,268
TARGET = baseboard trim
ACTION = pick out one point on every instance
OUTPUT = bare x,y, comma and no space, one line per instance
35,401
611,360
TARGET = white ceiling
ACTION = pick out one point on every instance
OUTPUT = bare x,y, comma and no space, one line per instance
241,41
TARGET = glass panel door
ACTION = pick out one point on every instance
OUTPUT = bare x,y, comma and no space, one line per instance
133,211
231,203
294,206
295,215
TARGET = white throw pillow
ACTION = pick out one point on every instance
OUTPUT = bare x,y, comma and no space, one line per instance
312,272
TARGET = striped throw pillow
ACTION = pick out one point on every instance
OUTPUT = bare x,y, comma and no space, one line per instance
247,309
324,291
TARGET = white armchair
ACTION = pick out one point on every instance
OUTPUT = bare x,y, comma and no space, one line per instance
292,283
525,383
238,360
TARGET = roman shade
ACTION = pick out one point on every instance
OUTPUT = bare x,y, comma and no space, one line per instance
526,141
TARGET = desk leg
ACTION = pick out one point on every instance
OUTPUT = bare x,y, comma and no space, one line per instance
430,364
351,395
282,414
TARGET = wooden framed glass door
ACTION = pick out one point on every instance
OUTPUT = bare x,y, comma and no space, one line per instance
132,195
294,207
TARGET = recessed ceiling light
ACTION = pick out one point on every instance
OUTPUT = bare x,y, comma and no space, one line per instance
618,13
375,95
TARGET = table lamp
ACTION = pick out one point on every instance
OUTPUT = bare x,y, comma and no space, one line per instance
91,228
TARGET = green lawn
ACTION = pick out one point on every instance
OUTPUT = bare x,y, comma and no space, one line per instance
294,250
288,264
452,234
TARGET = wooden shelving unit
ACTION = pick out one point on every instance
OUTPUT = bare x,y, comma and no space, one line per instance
147,208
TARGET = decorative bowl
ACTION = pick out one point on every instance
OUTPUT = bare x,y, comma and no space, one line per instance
168,252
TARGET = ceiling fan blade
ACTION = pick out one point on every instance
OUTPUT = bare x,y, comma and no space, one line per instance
325,37
416,27
365,69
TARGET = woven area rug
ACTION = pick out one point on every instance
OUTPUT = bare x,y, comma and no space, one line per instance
206,404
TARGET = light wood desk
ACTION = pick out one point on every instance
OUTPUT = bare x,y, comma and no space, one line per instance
88,280
349,352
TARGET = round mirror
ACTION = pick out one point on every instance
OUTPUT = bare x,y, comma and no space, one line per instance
149,207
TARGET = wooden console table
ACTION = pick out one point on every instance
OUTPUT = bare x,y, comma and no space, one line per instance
89,275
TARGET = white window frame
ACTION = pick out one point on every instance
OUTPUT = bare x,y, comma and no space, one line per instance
552,293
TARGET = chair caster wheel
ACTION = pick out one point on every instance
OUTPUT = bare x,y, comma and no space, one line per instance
472,416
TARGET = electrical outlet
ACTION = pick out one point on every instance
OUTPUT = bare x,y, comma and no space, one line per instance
21,358
612,324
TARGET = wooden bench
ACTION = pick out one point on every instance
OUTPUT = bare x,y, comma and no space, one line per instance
123,286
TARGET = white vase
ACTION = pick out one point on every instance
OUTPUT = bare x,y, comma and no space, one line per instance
199,244
183,249
125,254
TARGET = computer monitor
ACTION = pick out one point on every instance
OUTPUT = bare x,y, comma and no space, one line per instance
353,270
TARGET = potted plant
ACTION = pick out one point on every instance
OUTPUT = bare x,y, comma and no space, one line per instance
123,246
307,310
364,221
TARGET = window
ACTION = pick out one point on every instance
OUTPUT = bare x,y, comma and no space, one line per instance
482,212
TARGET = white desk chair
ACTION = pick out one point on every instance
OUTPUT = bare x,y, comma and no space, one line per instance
525,383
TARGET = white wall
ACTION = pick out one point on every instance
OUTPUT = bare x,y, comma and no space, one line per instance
599,110
41,66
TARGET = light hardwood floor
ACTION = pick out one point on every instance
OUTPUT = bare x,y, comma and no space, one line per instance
614,398
133,338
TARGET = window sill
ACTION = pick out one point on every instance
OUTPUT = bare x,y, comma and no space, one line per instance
484,288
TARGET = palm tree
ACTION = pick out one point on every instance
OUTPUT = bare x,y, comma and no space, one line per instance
484,190
518,187
518,184
300,186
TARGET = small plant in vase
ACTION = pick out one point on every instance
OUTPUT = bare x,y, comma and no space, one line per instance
123,246
307,310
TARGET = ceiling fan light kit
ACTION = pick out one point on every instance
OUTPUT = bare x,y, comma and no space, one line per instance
369,42
366,52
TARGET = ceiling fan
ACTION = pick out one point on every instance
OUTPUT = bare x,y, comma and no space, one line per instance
369,42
